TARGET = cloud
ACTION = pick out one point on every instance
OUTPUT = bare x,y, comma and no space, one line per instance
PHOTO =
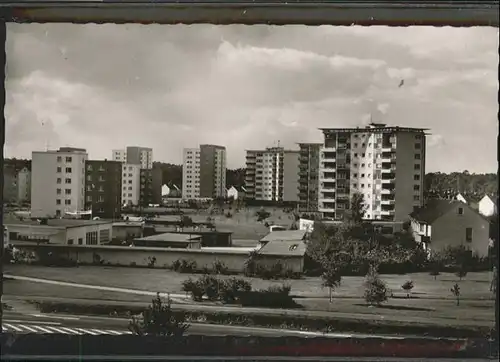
169,87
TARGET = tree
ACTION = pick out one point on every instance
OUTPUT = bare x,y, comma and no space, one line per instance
461,271
375,288
331,279
407,287
357,208
159,320
456,292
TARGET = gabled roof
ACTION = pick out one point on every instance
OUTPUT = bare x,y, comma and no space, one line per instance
284,248
436,208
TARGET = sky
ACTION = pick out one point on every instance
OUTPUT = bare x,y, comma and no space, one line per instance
104,87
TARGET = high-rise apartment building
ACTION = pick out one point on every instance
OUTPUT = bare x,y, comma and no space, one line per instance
385,164
204,172
24,185
134,155
103,190
58,182
10,184
131,184
309,156
150,187
191,173
272,174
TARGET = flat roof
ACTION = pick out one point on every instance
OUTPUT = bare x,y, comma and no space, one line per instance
284,235
284,248
171,237
61,223
190,230
128,223
373,129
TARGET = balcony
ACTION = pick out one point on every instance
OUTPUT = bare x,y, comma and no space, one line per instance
387,191
388,180
388,202
389,169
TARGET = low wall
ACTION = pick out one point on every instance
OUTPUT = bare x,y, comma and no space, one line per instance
137,256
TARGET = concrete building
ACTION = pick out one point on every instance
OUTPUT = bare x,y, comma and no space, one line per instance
487,206
450,223
58,182
10,184
103,193
309,176
212,171
150,187
191,173
24,186
59,231
131,184
272,174
385,164
204,172
135,155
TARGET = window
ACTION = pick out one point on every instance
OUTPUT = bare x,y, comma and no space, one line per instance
418,145
416,177
59,169
59,159
68,180
460,211
417,156
58,191
67,191
70,241
69,159
80,241
68,169
416,198
416,187
67,202
58,202
417,166
468,235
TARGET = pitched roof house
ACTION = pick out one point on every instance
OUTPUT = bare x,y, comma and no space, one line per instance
487,206
448,223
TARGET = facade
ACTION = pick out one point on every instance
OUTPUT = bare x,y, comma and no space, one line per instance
103,188
131,184
309,176
191,173
385,164
62,232
265,174
58,182
24,186
135,155
212,171
487,206
150,187
450,223
10,184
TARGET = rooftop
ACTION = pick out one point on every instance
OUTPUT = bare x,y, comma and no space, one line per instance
284,248
436,208
62,223
171,237
286,235
374,127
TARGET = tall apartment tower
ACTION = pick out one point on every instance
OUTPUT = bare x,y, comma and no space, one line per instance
103,190
131,184
58,182
309,176
24,185
385,164
204,172
272,174
134,155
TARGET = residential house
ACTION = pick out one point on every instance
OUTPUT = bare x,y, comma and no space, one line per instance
236,193
450,223
460,197
487,206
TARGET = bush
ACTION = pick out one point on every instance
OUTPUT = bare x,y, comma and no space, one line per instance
273,297
219,267
184,266
194,288
159,320
231,288
375,288
407,287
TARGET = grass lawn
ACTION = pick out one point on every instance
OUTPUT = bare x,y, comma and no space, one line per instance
474,286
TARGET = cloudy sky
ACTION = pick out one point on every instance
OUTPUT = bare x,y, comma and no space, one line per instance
167,87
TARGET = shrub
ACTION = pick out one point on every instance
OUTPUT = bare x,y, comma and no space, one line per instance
407,287
375,288
194,288
159,320
231,289
184,266
273,297
219,267
210,286
151,261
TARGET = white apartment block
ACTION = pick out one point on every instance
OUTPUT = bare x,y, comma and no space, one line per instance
385,164
131,184
58,182
24,185
135,155
272,174
191,173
